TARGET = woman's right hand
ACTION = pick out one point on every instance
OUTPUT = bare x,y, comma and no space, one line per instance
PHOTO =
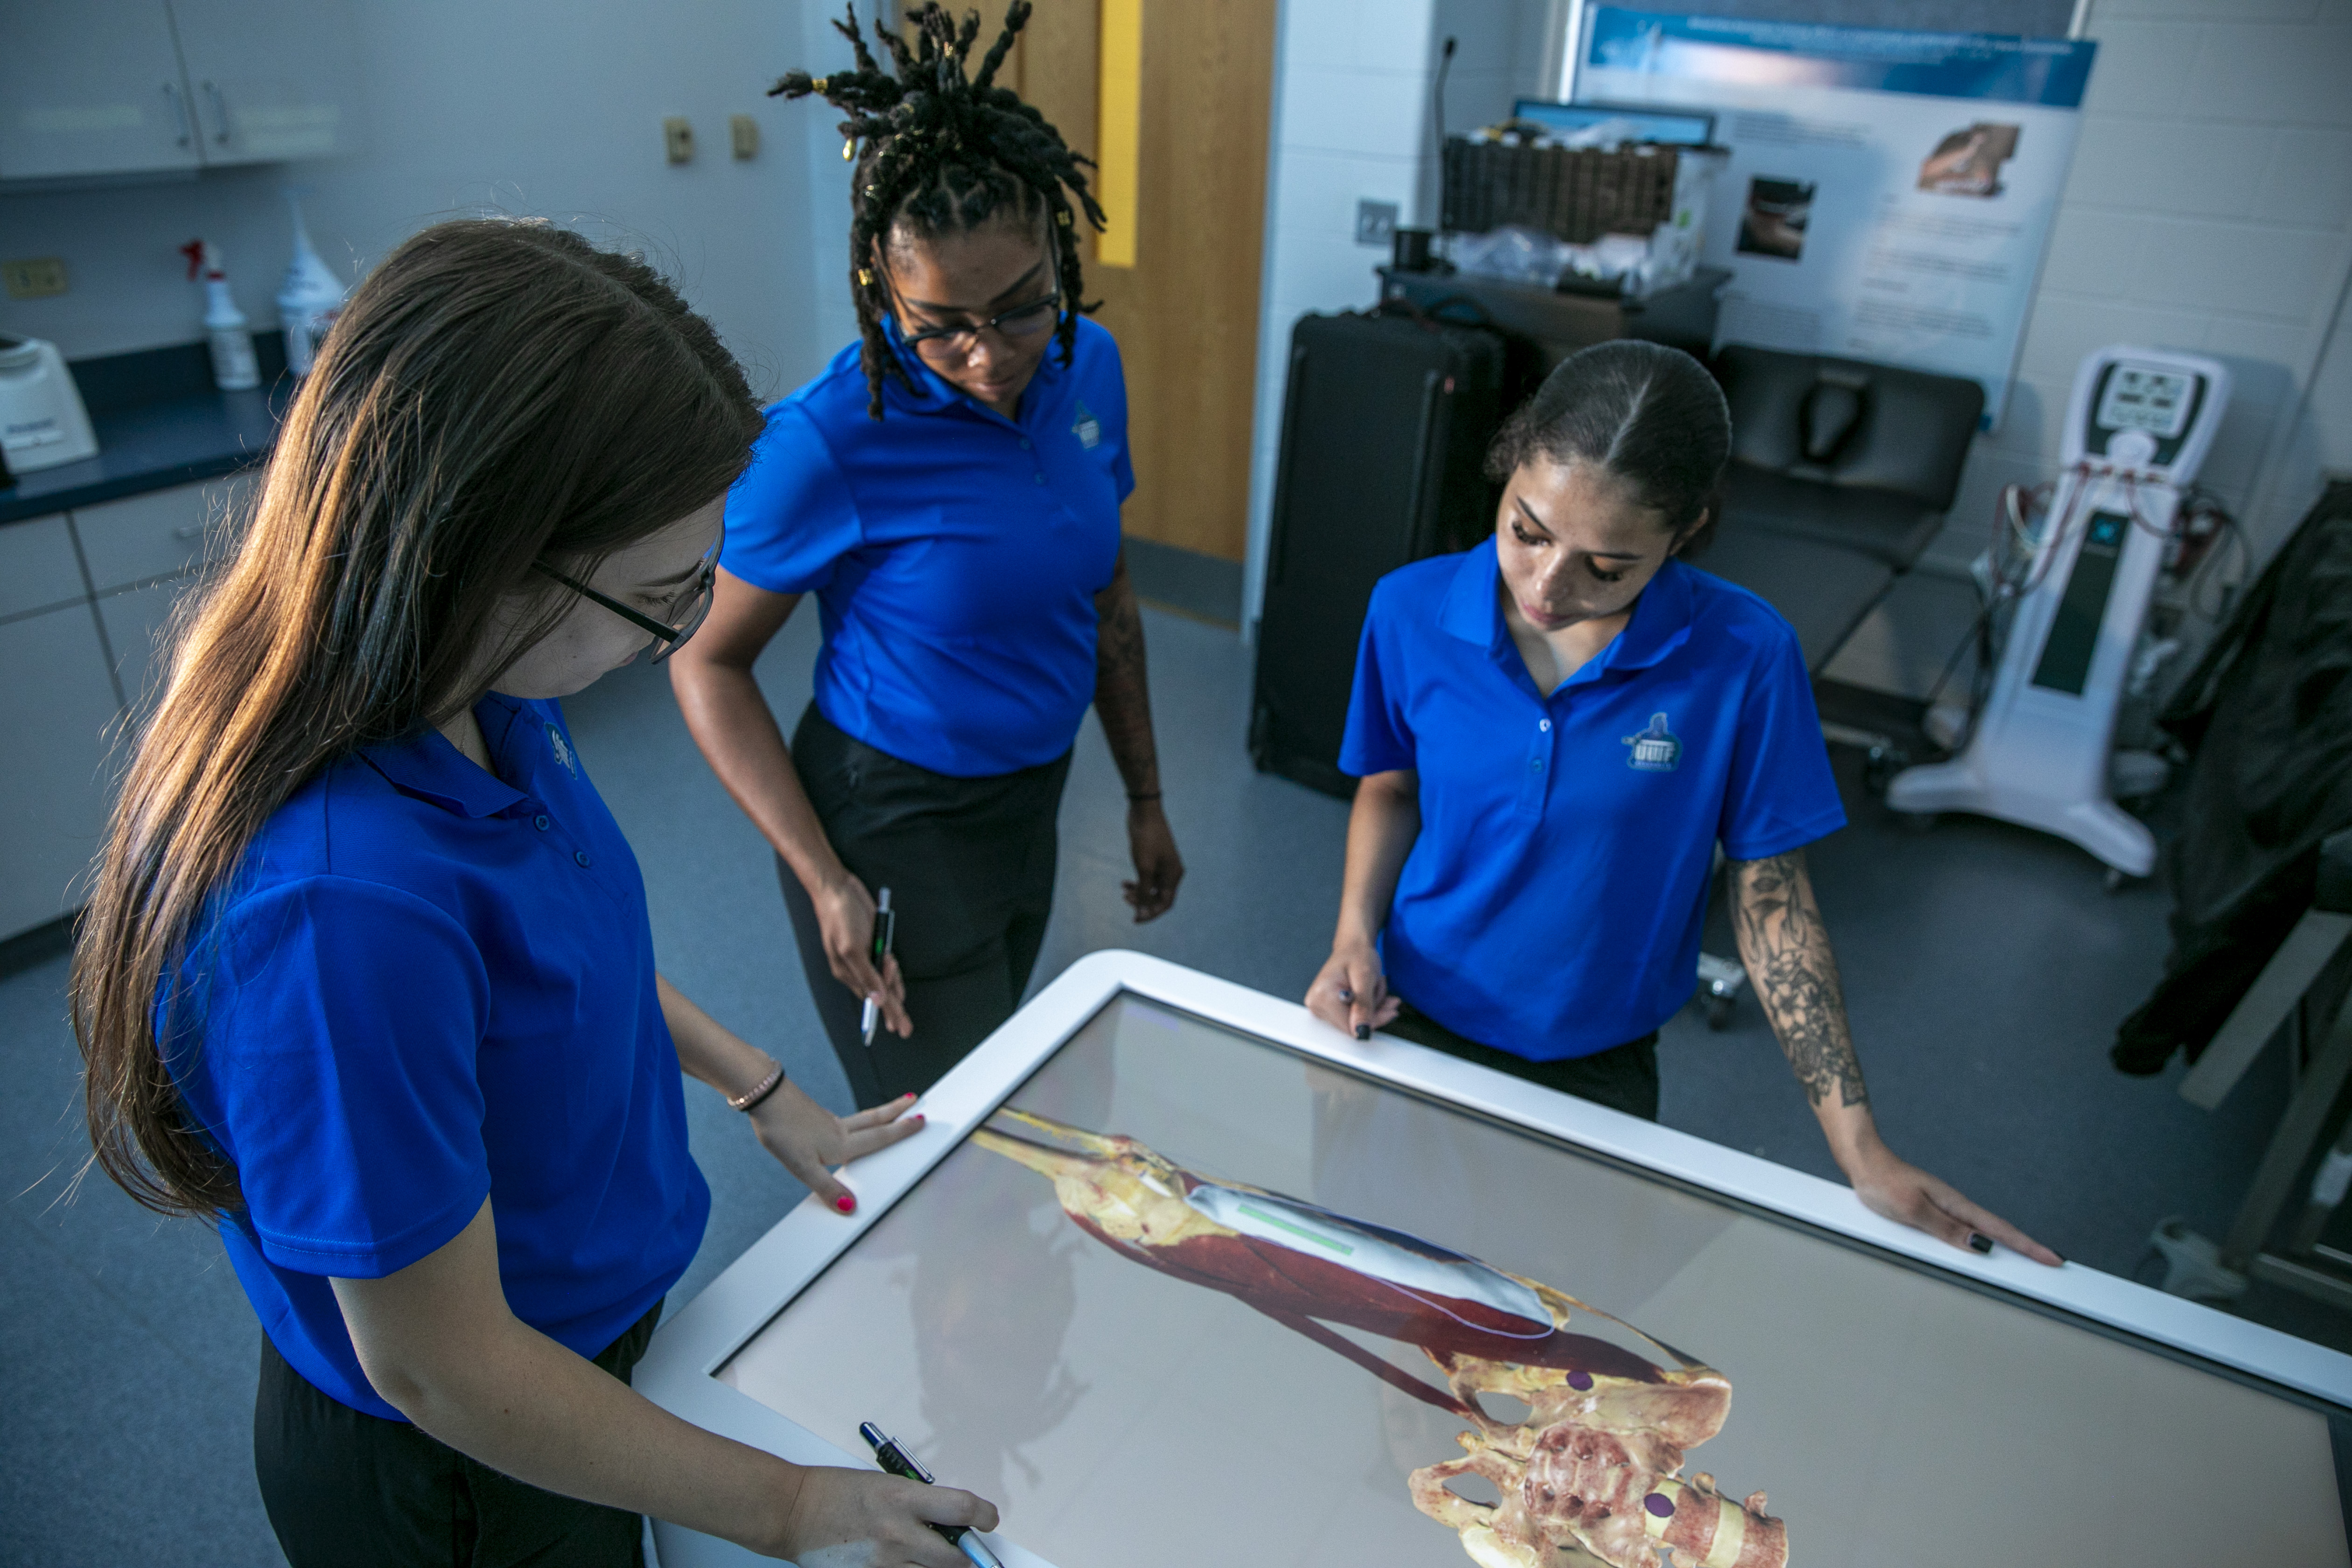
1351,992
859,1518
844,911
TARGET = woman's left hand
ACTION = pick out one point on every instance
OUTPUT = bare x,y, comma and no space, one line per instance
1157,867
806,1138
1901,1191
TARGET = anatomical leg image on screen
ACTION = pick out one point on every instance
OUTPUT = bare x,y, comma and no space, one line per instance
1190,1297
1592,1466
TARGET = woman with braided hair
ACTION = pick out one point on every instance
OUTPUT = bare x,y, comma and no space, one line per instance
949,489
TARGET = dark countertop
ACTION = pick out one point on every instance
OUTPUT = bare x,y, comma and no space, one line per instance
159,422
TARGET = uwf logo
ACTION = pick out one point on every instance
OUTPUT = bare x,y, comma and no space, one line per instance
1087,429
1656,750
562,753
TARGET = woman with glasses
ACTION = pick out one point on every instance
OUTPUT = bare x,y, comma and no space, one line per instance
949,489
367,977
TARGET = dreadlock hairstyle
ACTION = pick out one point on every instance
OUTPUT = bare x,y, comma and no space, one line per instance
945,153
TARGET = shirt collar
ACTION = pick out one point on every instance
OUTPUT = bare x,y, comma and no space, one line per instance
1473,611
427,766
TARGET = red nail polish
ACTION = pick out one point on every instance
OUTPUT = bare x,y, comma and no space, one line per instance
918,1119
845,1204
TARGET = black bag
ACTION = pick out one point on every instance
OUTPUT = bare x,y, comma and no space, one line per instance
2268,711
1385,425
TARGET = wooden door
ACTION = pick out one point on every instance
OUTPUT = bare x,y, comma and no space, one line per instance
1185,313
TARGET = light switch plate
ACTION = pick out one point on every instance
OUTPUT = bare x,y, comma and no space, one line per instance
1376,223
35,276
743,135
678,138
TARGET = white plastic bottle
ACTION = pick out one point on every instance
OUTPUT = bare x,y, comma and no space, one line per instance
235,368
309,299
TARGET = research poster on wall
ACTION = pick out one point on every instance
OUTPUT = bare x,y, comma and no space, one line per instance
1889,193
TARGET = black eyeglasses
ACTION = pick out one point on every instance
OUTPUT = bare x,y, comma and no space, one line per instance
1019,322
694,599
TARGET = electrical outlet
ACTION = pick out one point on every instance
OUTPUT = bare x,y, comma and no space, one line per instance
678,138
35,278
743,135
1376,223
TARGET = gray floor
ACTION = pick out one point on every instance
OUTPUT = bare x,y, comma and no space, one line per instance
1985,969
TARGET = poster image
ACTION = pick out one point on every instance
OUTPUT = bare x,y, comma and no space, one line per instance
1189,1298
1773,221
1882,129
1968,162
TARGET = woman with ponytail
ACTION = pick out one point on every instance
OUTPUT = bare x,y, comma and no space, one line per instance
367,978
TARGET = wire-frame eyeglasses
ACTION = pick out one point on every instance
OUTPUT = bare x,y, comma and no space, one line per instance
691,607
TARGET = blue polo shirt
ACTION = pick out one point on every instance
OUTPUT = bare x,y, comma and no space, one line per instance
955,553
1551,905
424,987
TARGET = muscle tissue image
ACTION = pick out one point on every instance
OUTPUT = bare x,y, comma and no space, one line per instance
1594,1467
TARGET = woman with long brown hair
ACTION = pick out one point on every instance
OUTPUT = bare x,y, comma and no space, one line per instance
368,978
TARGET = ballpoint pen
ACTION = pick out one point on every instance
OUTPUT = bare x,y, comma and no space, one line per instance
886,929
898,1462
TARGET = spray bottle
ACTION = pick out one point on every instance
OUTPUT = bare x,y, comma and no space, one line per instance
309,299
233,367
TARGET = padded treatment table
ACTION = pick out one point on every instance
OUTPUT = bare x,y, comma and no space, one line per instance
1841,474
1167,1275
1822,590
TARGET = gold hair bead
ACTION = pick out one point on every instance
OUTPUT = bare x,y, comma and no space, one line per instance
817,84
849,149
865,279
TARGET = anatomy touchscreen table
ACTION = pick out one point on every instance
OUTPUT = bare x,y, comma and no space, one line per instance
1178,1276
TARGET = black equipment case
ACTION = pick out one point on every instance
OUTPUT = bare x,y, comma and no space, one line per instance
1385,425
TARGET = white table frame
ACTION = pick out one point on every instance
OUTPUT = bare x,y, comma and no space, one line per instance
677,1372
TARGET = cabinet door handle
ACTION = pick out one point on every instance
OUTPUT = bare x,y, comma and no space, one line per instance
179,113
220,112
193,531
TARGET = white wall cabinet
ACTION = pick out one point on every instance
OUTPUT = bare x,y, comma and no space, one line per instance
84,599
127,87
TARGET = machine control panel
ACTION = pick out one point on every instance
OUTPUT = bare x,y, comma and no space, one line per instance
2140,398
2148,410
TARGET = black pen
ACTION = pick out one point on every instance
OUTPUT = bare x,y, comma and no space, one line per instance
898,1462
885,931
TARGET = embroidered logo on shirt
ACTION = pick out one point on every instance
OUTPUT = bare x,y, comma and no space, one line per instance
1087,429
1656,750
562,753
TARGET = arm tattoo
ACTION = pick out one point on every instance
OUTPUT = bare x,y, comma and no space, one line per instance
1786,949
1122,696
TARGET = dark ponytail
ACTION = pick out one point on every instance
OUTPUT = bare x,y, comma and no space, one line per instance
1647,412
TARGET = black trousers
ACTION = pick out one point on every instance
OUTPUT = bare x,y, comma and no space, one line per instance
970,866
1622,1078
347,1490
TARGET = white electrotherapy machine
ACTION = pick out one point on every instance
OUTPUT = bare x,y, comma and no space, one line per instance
2139,423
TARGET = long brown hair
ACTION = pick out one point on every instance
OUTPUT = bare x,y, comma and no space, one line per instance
497,393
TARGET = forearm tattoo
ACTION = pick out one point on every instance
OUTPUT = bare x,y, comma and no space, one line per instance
1786,949
1122,695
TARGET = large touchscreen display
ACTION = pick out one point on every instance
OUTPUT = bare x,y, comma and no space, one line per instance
1190,1297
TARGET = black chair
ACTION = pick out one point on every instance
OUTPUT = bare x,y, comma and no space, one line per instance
1841,474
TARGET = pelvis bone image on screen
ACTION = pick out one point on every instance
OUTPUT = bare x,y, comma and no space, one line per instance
1591,1473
